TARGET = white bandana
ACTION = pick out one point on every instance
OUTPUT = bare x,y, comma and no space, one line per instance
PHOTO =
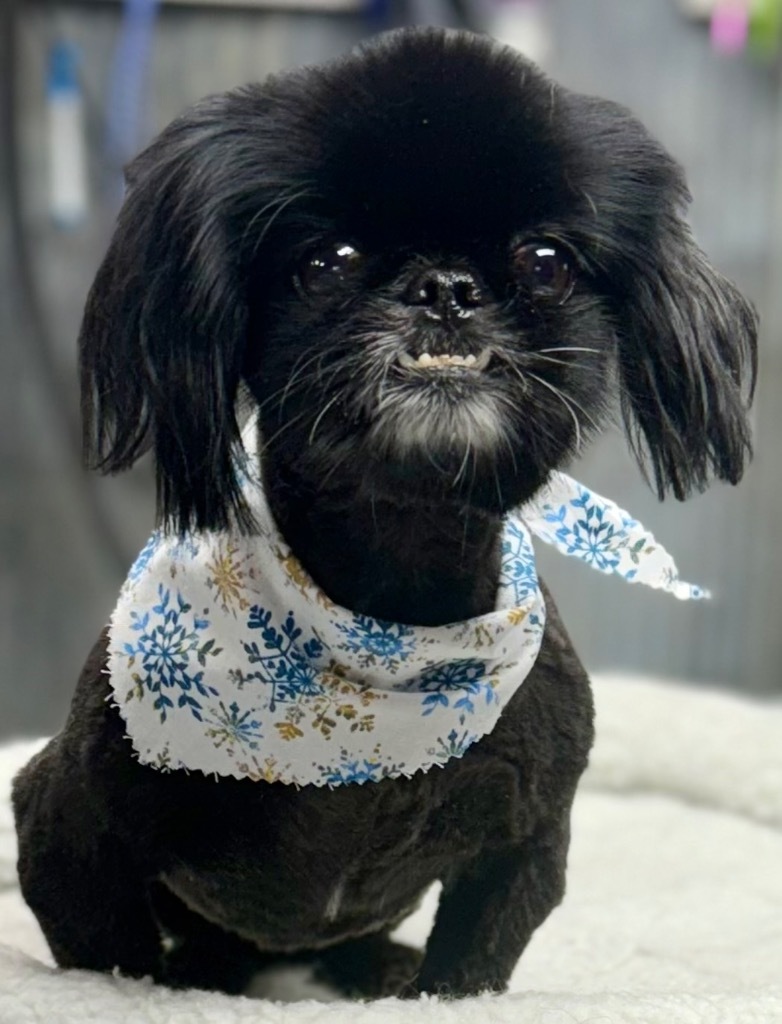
225,656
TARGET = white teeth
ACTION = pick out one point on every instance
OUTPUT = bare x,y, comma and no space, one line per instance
426,361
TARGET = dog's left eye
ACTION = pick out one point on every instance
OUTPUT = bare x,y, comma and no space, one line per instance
545,269
320,272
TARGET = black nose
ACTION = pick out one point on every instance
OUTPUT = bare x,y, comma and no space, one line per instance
444,293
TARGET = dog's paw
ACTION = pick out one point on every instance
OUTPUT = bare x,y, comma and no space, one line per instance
372,967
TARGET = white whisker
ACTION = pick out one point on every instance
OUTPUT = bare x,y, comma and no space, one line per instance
267,226
266,441
280,202
565,402
570,348
551,359
466,458
296,372
321,414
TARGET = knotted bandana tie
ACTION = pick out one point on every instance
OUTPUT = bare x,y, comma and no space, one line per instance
225,657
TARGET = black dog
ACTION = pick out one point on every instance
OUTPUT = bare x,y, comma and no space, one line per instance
431,272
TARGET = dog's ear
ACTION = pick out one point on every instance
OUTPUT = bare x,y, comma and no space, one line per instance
686,337
164,328
687,360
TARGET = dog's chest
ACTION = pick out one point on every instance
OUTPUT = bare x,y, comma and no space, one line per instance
322,865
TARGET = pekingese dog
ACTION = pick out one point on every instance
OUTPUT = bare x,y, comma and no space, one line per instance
426,274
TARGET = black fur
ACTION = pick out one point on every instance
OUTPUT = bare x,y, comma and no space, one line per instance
436,157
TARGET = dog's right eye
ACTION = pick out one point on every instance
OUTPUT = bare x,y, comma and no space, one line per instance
326,269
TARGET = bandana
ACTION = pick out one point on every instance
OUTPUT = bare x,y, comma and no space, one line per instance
225,656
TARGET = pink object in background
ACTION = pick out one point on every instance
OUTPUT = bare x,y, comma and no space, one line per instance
730,27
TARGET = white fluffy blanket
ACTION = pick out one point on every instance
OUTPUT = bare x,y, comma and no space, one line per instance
673,912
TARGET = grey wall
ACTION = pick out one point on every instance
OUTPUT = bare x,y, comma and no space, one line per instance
65,542
721,118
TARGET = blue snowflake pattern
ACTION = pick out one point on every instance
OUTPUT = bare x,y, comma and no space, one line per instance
168,639
453,745
351,767
184,549
144,557
288,667
229,727
465,678
590,537
377,642
517,569
350,770
246,471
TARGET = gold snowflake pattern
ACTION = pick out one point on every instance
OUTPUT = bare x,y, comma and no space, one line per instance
295,572
136,692
268,770
230,576
342,698
163,760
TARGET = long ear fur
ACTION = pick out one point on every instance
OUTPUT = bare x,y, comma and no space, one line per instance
163,333
686,337
687,357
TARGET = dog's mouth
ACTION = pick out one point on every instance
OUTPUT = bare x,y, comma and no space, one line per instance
429,362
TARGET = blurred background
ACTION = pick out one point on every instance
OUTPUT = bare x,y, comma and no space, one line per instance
85,84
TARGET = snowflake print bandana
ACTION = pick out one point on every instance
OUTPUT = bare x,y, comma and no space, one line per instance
225,657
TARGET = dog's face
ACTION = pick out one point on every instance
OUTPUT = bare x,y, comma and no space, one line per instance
434,270
424,321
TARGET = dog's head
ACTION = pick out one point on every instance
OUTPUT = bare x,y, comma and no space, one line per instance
433,269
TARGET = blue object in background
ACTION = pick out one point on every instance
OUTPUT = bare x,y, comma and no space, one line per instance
378,13
125,129
63,65
66,143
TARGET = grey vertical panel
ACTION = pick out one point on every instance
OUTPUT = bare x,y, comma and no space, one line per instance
720,118
59,577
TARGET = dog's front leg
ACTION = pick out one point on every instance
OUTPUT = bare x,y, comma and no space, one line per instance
77,878
488,912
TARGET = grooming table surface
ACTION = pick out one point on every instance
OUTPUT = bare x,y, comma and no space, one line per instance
673,912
